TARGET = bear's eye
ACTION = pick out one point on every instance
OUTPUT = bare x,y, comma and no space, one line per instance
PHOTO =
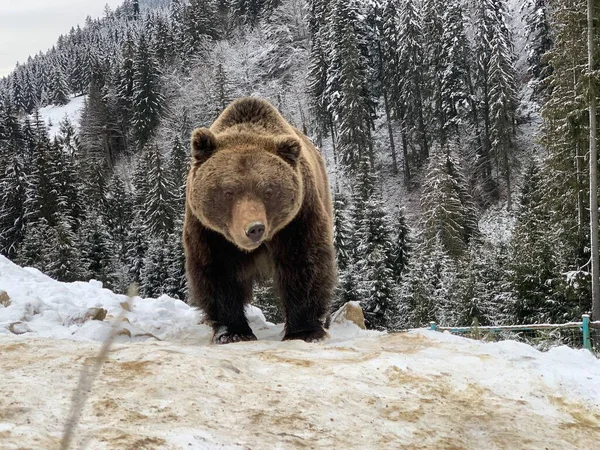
268,193
228,193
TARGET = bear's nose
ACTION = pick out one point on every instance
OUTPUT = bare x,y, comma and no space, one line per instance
255,231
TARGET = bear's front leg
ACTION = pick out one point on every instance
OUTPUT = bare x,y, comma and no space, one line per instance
213,286
306,275
223,302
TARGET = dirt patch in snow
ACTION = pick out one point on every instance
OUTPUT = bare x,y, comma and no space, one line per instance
405,391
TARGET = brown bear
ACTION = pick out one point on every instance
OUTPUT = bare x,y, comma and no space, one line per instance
258,205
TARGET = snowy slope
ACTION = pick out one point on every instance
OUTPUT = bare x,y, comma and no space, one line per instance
357,389
52,115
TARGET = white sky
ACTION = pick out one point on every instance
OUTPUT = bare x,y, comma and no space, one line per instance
28,26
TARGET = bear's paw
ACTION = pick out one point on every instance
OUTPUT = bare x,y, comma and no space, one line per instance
224,335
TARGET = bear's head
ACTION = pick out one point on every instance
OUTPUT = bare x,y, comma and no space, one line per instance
243,186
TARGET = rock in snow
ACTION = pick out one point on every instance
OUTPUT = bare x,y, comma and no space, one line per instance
355,390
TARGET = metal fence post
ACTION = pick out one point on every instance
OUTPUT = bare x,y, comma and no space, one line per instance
432,326
585,326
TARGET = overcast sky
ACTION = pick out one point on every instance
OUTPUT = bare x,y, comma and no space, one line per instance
28,26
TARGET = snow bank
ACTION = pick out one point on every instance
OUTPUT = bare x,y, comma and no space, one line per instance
356,389
52,115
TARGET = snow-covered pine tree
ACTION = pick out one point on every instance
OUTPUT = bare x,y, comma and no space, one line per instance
343,242
160,201
495,84
162,41
59,93
428,291
482,290
147,101
155,269
176,283
200,24
456,82
137,246
178,171
62,253
347,84
384,18
532,255
402,245
539,39
444,215
118,214
98,252
34,249
373,256
410,104
435,63
13,194
221,92
565,173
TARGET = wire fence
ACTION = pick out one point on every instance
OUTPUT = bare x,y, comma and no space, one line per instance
584,334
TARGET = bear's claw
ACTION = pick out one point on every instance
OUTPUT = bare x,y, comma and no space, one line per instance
223,336
314,335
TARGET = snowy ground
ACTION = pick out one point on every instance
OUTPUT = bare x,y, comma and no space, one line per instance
357,389
52,115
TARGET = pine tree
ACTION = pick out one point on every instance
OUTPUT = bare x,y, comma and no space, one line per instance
343,242
482,289
532,255
178,171
155,269
429,288
410,104
347,83
539,39
159,205
176,284
341,232
401,249
59,94
199,24
63,254
448,211
374,252
118,213
147,101
137,246
13,195
222,90
435,63
97,251
565,175
495,83
456,79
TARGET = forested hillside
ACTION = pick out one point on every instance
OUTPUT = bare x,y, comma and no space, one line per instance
458,161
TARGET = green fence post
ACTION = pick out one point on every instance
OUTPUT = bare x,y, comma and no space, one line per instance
432,326
585,326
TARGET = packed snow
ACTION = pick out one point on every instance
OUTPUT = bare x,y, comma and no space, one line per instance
52,115
165,386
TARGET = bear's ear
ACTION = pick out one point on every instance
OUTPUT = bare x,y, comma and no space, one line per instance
204,144
288,148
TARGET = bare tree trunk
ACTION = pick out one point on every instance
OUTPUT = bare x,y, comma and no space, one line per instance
405,155
593,167
388,116
507,179
390,132
579,185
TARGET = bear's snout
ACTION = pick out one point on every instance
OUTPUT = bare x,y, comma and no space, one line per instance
249,226
255,231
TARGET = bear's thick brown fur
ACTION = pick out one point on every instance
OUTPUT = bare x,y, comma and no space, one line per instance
258,205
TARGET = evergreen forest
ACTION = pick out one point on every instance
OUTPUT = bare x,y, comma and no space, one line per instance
455,134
